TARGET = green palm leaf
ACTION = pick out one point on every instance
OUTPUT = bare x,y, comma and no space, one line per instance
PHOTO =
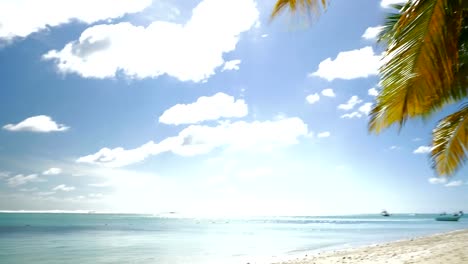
419,76
294,6
450,139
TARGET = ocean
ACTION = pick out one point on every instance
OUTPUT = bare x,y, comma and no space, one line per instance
41,238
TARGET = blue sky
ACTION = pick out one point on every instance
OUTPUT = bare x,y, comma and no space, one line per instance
205,108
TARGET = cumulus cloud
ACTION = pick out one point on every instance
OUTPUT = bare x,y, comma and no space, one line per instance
118,157
264,35
4,174
354,114
365,108
360,63
188,52
328,92
422,150
323,134
96,195
205,108
101,184
393,147
45,193
372,32
28,189
231,65
313,98
200,139
21,18
387,3
373,92
454,183
52,171
354,100
21,179
63,187
41,123
437,180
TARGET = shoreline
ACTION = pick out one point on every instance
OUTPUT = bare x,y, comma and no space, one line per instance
448,247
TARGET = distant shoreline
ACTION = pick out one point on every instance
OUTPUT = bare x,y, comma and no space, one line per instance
449,247
208,216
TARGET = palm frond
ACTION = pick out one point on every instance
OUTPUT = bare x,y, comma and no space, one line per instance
387,31
450,139
307,7
421,62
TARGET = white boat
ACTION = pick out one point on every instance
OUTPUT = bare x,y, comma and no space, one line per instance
446,217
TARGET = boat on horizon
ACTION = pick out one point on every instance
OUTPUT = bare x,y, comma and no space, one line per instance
446,217
384,213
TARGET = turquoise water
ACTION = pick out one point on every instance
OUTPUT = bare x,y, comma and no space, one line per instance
101,238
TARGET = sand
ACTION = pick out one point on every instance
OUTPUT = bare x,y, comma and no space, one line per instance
444,248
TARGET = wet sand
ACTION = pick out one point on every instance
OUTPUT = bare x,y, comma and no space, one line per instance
451,247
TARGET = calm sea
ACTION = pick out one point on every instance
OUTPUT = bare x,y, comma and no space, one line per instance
112,238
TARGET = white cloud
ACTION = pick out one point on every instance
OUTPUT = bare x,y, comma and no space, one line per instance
205,108
4,174
365,108
354,100
52,171
349,65
387,3
351,115
41,123
422,150
328,92
313,98
28,189
101,184
323,134
437,180
20,18
454,183
373,92
118,157
63,187
372,32
21,179
45,193
417,139
393,147
231,65
197,139
200,139
96,195
188,52
264,35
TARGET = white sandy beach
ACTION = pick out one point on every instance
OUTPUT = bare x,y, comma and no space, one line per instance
451,247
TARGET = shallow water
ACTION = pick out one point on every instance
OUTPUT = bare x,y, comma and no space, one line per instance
108,238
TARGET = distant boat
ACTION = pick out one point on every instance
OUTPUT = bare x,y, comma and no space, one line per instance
384,213
446,217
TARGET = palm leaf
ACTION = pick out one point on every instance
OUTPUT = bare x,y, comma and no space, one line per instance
422,58
450,139
304,6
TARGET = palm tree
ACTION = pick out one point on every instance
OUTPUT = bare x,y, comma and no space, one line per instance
425,68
